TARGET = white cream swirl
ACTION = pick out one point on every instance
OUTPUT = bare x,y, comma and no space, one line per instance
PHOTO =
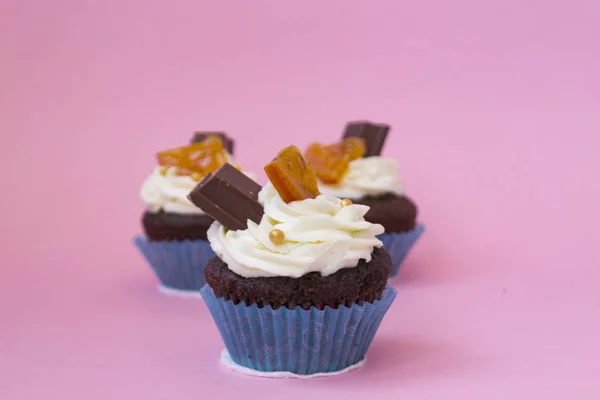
369,176
320,235
169,192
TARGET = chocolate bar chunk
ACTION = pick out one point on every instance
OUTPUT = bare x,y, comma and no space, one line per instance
373,134
227,141
228,196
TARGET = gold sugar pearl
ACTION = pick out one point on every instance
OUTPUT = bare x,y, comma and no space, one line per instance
346,202
163,170
197,176
277,236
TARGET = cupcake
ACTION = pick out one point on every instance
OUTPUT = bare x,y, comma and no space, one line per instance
175,231
354,169
299,284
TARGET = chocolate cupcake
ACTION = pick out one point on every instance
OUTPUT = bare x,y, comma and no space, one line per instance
354,169
175,231
299,284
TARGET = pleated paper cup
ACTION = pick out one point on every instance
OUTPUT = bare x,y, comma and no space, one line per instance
179,265
299,342
398,245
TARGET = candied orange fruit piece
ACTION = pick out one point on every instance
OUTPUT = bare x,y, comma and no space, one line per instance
291,176
197,159
330,162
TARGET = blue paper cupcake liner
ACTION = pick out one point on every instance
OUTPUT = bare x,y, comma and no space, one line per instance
178,265
300,341
399,244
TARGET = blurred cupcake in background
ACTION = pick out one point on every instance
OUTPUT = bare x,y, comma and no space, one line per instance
174,241
299,284
353,168
228,143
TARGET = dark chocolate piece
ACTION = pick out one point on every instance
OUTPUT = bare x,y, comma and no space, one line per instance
228,196
373,134
227,141
363,283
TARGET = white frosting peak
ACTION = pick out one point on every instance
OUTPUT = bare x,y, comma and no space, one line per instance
169,192
320,235
369,176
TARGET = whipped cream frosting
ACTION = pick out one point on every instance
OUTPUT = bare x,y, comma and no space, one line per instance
169,192
369,176
320,235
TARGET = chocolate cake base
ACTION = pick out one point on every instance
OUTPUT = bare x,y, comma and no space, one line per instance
396,213
365,282
162,226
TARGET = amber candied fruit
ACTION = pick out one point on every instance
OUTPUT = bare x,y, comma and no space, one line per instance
330,162
291,177
196,158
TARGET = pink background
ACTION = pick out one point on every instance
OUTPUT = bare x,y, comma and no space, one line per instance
495,109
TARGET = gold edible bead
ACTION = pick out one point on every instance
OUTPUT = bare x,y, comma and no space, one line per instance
163,170
346,202
197,176
277,236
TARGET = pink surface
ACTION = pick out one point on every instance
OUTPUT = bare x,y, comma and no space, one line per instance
496,124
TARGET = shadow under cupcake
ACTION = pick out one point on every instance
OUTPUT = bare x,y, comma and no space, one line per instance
353,169
299,284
